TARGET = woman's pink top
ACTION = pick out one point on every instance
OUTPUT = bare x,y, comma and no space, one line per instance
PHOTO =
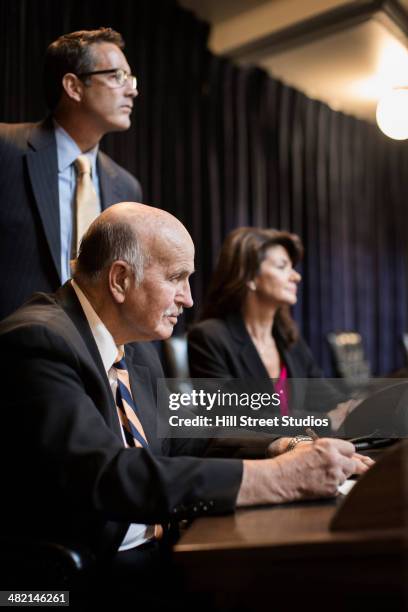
281,387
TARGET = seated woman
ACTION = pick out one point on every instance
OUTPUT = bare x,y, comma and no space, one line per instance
246,330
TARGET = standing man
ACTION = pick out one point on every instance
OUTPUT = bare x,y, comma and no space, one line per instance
53,179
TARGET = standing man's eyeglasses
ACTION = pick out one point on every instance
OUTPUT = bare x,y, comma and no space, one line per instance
119,77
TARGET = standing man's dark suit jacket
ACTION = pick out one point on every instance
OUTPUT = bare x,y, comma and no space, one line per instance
30,251
65,473
222,348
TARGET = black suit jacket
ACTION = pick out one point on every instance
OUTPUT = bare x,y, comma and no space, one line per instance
64,471
222,348
30,251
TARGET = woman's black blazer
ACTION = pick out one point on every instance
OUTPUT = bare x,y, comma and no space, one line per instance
222,348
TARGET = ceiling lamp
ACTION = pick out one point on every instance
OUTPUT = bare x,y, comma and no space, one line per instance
392,113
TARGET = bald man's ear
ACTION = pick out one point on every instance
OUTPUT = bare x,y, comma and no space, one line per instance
119,279
73,86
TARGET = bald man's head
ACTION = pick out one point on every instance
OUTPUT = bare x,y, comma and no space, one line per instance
134,266
131,232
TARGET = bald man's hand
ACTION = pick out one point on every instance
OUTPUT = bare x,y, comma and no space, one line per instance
314,470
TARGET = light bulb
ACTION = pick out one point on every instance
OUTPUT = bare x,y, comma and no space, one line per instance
392,113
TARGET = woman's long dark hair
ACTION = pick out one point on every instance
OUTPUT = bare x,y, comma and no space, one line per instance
241,255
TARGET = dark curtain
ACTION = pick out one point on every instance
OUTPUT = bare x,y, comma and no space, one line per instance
221,146
278,158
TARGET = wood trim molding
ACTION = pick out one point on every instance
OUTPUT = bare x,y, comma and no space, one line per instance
324,24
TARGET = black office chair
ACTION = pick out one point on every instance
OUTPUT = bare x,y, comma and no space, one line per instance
175,355
349,359
40,565
405,343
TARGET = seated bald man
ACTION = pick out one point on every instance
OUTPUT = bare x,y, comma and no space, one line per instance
75,464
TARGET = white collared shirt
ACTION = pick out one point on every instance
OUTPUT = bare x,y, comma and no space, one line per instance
137,533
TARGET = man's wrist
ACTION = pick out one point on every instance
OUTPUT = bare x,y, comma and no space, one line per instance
262,483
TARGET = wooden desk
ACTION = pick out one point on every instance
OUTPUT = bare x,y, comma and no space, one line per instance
287,553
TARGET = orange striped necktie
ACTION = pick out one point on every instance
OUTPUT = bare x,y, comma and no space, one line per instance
126,407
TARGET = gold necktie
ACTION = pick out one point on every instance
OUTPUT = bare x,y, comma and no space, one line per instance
86,201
